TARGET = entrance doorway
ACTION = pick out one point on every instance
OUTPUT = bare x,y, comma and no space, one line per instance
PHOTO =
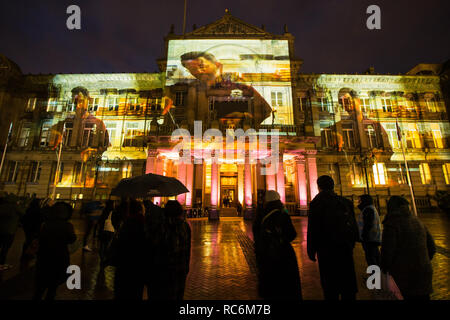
228,186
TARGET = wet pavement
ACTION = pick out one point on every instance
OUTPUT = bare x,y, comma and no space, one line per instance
222,264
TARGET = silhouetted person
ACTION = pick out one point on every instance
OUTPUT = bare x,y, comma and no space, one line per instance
406,251
10,215
129,255
273,233
31,223
173,255
93,211
53,256
369,229
332,233
106,230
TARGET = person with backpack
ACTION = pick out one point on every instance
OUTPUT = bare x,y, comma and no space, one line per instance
172,257
369,229
332,233
273,232
407,250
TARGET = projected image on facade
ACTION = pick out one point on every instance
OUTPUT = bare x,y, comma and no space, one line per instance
244,79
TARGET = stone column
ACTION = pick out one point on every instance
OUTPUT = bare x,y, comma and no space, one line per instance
280,179
159,167
150,166
312,174
248,201
240,168
301,185
181,175
189,184
214,212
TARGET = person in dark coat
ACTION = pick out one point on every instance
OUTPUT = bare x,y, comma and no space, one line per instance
171,263
273,232
406,251
332,233
106,231
31,223
53,256
369,229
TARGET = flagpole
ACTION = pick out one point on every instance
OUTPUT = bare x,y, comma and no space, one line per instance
58,164
184,17
407,170
6,147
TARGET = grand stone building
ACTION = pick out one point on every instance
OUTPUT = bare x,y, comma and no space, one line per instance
112,126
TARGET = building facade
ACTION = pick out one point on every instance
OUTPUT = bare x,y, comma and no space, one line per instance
105,127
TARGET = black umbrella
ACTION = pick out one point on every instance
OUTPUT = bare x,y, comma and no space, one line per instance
149,185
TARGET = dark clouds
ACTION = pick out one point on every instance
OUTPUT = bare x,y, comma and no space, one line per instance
127,36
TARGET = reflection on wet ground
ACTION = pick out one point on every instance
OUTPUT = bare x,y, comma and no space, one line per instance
223,264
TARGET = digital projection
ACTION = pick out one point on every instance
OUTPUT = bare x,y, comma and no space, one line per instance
243,78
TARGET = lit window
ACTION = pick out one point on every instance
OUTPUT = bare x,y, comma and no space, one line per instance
431,104
93,104
371,136
413,137
180,98
425,173
349,136
391,131
52,105
346,103
277,99
379,173
386,104
356,174
31,104
446,169
327,137
113,104
437,135
365,104
24,137
325,105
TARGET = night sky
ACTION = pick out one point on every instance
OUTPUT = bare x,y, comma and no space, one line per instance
127,36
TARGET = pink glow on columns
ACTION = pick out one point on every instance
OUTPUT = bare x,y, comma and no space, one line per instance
312,171
182,177
214,183
280,181
247,185
301,179
189,183
270,182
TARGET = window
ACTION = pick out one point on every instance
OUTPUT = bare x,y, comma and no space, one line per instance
371,136
180,98
113,104
401,174
356,175
88,134
133,104
391,130
52,105
131,134
327,137
45,134
431,104
78,172
346,103
60,173
365,105
277,98
379,173
348,135
111,129
325,106
24,136
35,172
413,137
386,104
31,104
13,170
437,135
93,104
425,173
68,133
333,172
303,103
446,170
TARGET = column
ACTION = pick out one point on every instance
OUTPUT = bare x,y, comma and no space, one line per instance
248,201
150,166
280,179
240,168
214,212
181,175
159,167
312,175
189,184
301,185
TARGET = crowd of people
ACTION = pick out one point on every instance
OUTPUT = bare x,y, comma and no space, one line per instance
407,247
149,245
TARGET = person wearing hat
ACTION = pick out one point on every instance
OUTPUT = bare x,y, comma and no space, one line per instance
273,232
406,250
332,234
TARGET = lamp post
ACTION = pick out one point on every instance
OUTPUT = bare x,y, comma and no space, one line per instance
367,159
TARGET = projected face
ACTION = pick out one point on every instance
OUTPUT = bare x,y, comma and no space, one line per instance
261,67
202,68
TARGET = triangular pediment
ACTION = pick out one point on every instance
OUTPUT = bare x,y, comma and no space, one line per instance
228,25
